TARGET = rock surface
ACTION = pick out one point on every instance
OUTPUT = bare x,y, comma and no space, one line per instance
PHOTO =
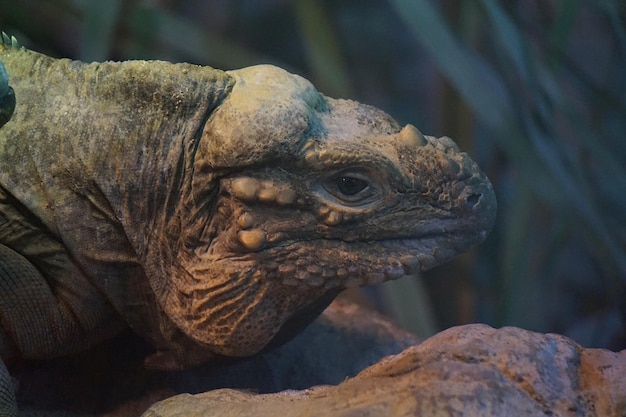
472,370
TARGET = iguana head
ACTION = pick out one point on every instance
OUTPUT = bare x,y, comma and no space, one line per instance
314,195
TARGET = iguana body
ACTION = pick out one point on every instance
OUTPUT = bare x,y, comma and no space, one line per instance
205,209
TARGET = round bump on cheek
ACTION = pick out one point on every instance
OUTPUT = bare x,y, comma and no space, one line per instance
252,239
286,196
329,216
314,269
245,188
245,221
333,218
302,275
268,194
323,211
286,269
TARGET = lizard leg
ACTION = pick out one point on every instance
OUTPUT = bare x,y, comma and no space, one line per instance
37,324
33,322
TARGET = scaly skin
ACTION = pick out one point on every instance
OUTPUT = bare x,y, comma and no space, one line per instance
206,209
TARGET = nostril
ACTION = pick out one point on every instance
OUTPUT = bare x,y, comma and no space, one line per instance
473,199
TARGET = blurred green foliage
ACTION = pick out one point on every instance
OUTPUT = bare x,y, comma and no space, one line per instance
535,90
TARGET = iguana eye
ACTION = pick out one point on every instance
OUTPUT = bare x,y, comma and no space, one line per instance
350,186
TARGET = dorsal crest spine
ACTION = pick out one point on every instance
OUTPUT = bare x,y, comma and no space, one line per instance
9,42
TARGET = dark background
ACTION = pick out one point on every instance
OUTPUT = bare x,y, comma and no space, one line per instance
534,90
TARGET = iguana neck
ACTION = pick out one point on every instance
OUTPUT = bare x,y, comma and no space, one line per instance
119,134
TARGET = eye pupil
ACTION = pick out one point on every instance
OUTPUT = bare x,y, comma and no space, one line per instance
350,185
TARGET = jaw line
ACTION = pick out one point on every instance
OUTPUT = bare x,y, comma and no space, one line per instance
448,239
333,263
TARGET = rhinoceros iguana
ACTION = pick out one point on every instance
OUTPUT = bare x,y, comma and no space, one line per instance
205,209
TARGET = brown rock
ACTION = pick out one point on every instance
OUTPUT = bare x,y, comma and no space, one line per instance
472,370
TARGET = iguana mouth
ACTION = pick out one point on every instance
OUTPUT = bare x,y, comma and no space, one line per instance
335,263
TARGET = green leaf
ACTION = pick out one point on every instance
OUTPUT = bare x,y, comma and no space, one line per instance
480,86
189,40
98,29
330,72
